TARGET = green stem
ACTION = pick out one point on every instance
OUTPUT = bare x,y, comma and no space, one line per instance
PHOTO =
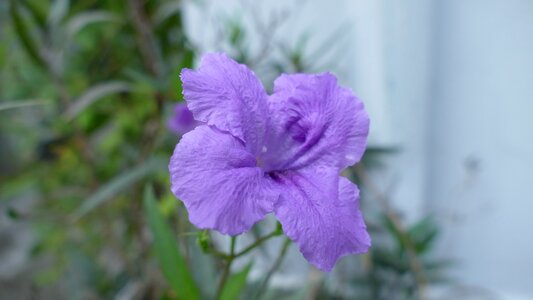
227,267
232,256
258,242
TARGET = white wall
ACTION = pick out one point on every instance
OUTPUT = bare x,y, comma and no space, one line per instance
481,140
409,65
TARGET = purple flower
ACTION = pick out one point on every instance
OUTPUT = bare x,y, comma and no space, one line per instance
281,153
182,120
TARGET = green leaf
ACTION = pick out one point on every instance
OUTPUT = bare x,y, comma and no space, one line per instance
237,33
398,235
167,252
38,9
12,213
374,156
143,79
205,270
387,259
58,11
167,10
20,104
204,241
235,284
118,184
23,34
424,234
94,94
82,20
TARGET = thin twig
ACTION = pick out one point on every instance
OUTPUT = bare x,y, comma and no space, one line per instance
265,29
152,62
257,243
145,37
314,282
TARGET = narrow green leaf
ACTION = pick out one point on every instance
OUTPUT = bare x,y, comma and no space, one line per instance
94,94
167,252
235,284
118,184
166,10
143,79
205,271
38,9
424,234
26,39
399,236
82,20
12,213
387,259
187,58
19,104
58,11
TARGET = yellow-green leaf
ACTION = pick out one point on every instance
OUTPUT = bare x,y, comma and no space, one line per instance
235,284
23,34
167,252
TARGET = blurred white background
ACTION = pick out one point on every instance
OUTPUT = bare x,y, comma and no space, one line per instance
450,84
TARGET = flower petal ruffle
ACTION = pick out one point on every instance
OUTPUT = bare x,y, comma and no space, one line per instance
315,121
229,96
320,212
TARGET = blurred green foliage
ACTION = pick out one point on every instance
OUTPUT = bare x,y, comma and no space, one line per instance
85,88
98,78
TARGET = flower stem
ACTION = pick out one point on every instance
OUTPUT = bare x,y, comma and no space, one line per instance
229,258
258,242
227,267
